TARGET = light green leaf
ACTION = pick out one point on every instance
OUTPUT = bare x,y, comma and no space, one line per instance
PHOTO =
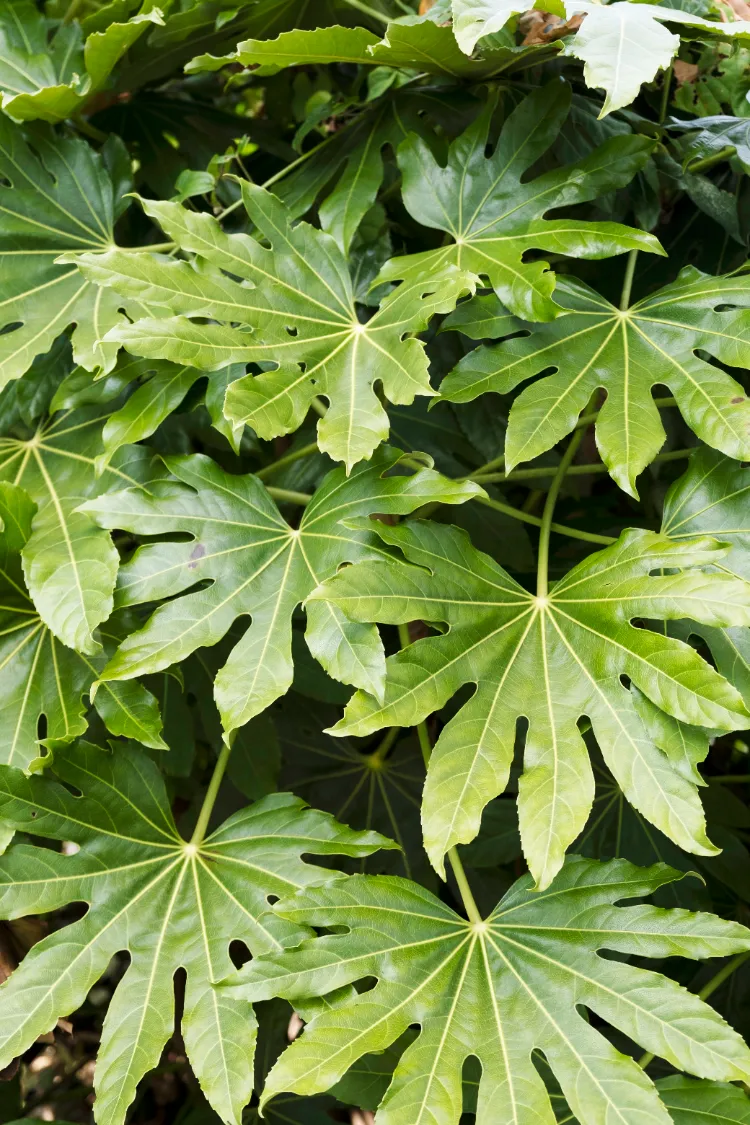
497,990
39,677
168,904
712,498
294,305
624,44
494,216
473,19
595,345
552,661
51,80
70,564
258,566
58,197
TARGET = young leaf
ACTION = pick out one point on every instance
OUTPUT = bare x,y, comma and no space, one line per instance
56,197
168,903
474,19
498,990
595,345
494,217
51,80
39,676
624,44
711,498
297,298
259,566
70,564
552,661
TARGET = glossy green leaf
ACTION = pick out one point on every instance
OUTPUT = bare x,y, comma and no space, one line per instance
294,305
168,903
70,564
494,215
422,45
56,197
258,566
574,646
49,81
658,340
40,677
712,498
692,1102
498,989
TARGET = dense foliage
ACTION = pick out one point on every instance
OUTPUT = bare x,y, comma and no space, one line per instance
374,562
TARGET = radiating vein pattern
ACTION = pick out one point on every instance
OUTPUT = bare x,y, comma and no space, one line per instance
551,661
498,990
166,903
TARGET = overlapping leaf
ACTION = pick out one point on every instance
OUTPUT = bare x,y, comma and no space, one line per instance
70,564
499,989
713,498
594,345
39,677
51,80
420,45
550,660
622,45
494,217
56,197
692,1102
168,903
257,565
294,306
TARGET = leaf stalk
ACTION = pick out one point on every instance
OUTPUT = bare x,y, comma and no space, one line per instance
201,825
542,578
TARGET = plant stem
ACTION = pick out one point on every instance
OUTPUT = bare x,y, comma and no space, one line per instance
731,779
561,528
542,584
212,792
288,497
716,980
71,10
573,471
88,129
366,10
288,459
665,93
380,753
467,898
288,168
627,283
709,161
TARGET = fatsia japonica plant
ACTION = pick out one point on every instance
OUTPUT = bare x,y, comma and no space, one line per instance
374,562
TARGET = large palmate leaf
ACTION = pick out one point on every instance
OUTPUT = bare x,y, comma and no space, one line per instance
69,563
622,45
713,497
258,566
498,989
168,903
550,660
294,305
55,197
39,677
494,217
51,80
595,345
